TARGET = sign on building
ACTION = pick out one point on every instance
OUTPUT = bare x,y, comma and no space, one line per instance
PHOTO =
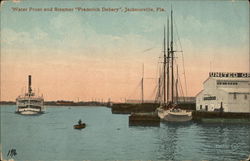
229,74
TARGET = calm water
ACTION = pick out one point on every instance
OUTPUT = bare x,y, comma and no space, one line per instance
108,137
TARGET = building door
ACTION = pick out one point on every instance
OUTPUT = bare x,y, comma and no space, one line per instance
206,107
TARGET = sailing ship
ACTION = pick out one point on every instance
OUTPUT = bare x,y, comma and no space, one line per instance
170,110
29,103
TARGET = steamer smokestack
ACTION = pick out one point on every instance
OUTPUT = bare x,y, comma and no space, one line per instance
30,89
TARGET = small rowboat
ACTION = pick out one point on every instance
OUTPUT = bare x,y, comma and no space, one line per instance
80,126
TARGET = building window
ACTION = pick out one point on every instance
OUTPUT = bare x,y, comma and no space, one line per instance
235,96
209,98
206,107
200,107
245,96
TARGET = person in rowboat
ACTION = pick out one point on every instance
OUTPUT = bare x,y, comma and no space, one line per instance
80,122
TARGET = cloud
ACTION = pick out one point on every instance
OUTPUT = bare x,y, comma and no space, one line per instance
41,35
211,32
24,39
77,34
12,37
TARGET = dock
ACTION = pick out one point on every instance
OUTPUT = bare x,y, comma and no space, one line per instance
144,119
221,117
152,119
128,108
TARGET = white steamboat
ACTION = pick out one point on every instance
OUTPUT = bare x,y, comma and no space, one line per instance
30,103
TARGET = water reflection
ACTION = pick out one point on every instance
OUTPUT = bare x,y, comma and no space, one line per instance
232,141
169,140
202,141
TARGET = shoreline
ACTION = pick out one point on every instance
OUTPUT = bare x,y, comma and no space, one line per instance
64,103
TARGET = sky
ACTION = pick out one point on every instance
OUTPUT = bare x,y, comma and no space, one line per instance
97,55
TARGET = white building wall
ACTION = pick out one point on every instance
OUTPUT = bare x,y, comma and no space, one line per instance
222,94
240,104
211,105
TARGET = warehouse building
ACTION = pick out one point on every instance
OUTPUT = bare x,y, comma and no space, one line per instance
229,92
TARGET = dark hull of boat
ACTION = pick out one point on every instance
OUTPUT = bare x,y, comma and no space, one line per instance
81,126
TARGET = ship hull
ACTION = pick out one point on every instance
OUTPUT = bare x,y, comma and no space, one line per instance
80,126
174,116
29,111
177,118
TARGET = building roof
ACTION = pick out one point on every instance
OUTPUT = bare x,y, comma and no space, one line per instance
199,93
237,90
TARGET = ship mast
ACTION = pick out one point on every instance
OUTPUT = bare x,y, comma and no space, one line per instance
142,85
176,85
172,57
164,70
168,56
159,90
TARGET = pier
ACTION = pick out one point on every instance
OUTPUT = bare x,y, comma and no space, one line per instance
126,108
152,119
144,119
223,117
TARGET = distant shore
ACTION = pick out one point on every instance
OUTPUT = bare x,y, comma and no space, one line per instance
64,103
